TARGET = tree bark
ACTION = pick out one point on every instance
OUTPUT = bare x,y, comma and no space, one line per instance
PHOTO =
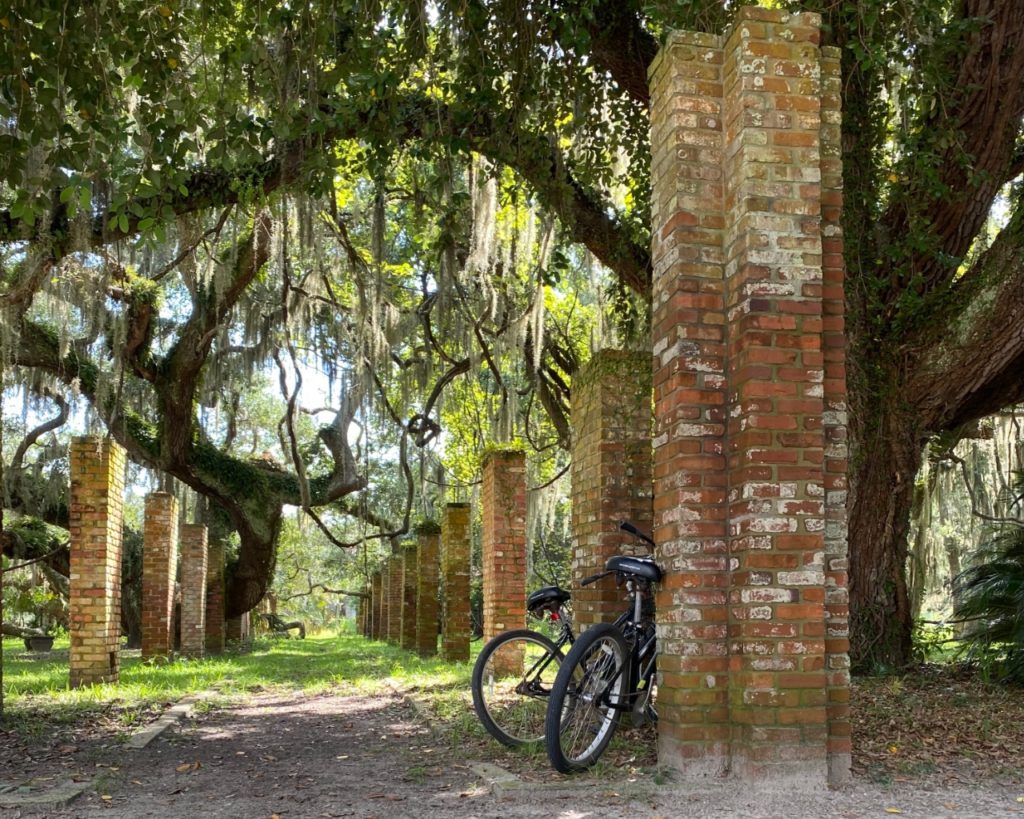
882,488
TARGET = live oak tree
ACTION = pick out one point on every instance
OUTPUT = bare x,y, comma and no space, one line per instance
242,182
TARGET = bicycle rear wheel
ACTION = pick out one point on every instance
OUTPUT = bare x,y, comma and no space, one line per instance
582,712
511,684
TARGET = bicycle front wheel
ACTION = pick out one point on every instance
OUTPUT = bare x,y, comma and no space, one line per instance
511,685
586,698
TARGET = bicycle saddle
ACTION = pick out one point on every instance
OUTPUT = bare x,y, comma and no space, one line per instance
643,567
548,596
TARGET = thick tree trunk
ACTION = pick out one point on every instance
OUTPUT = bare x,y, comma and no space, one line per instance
886,459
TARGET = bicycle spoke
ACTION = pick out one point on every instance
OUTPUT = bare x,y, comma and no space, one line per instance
514,686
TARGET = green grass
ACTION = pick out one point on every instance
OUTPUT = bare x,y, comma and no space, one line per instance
36,690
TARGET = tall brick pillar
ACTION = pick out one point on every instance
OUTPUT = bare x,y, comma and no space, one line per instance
385,599
503,502
159,568
410,588
747,302
395,591
215,598
833,339
96,514
376,607
456,622
428,542
611,473
194,557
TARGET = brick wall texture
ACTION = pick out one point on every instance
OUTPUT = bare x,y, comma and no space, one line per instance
428,571
410,589
159,570
194,557
95,526
611,473
238,629
457,626
395,598
503,508
750,401
215,598
376,605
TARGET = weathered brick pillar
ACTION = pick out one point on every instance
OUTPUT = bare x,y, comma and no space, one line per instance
410,588
96,514
159,568
837,599
385,599
503,501
193,590
611,473
376,606
215,598
238,629
428,542
457,626
395,598
745,146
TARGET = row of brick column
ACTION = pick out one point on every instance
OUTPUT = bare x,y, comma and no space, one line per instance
96,520
402,603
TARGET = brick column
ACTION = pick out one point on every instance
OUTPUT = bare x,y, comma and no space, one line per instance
238,629
837,600
395,599
410,588
740,293
95,525
611,473
193,590
503,501
376,597
428,543
457,626
385,599
159,568
215,598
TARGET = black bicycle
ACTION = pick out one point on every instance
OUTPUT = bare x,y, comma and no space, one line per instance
514,673
610,670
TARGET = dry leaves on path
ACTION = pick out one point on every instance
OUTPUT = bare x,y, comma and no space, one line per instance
937,722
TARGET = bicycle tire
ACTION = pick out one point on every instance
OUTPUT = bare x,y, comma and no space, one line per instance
577,726
511,684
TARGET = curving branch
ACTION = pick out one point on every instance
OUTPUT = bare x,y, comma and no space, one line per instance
17,460
974,365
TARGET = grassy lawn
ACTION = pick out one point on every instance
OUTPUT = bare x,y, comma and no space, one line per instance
39,704
36,691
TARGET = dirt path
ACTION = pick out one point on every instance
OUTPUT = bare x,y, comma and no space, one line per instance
289,755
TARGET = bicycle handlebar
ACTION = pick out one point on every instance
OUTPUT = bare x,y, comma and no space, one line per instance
586,581
626,526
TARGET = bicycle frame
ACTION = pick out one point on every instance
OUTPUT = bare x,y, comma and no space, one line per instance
642,654
566,637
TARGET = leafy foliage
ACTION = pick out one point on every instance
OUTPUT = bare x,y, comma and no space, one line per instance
991,595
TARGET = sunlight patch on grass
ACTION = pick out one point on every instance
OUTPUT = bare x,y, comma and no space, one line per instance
36,689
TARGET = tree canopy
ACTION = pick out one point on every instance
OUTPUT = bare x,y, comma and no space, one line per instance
418,201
